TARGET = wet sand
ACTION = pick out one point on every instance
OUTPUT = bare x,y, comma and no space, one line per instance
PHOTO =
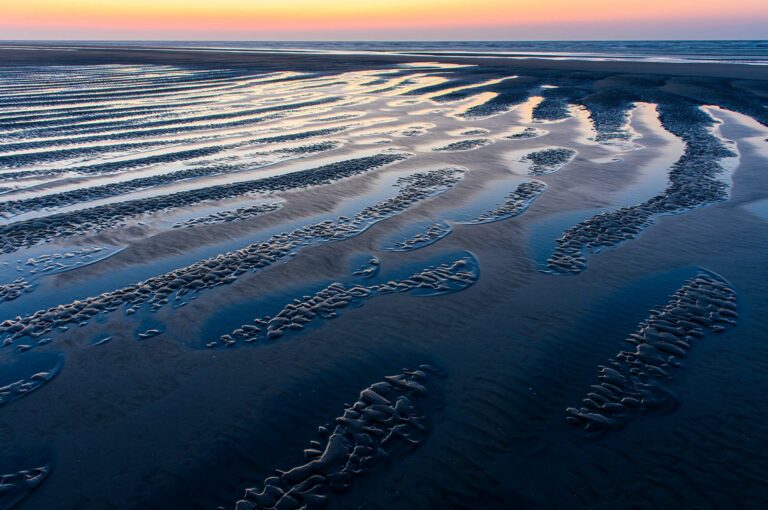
524,284
85,55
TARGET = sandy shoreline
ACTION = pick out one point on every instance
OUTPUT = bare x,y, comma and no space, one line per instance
530,284
39,54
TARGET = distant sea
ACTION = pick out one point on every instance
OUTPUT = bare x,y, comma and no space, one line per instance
744,52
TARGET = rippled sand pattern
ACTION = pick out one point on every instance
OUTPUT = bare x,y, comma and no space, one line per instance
633,382
383,423
202,265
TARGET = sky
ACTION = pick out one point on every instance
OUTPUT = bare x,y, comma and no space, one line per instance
383,19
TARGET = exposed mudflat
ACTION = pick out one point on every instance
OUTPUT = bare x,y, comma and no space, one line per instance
241,282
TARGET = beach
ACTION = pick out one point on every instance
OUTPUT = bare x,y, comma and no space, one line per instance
273,279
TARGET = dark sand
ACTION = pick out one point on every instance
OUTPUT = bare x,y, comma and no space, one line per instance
589,336
44,54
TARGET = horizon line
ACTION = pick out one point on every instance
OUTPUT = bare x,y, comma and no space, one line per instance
388,40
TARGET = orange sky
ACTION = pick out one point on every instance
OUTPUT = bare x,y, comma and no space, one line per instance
253,19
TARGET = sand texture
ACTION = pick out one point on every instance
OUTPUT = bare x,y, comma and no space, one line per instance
253,280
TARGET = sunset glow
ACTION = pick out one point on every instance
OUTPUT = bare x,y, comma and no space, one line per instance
254,19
